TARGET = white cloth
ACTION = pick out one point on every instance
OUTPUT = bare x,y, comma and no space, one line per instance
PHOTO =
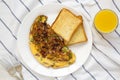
104,60
4,75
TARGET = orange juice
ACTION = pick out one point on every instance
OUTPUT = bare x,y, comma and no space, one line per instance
106,21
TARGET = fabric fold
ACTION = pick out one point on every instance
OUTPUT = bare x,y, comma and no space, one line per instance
103,62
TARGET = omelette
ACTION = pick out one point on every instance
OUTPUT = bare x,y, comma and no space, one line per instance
47,47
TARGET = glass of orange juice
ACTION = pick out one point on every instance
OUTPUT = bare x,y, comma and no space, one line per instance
106,21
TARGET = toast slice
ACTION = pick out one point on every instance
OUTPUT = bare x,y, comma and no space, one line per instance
79,35
65,24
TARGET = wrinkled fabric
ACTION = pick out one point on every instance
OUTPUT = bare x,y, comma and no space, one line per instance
103,62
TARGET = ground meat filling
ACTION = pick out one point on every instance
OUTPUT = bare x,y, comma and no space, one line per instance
48,43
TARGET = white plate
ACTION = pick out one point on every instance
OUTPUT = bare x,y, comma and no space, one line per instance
81,51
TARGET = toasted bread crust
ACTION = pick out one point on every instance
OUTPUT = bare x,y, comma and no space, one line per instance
81,27
72,31
85,39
